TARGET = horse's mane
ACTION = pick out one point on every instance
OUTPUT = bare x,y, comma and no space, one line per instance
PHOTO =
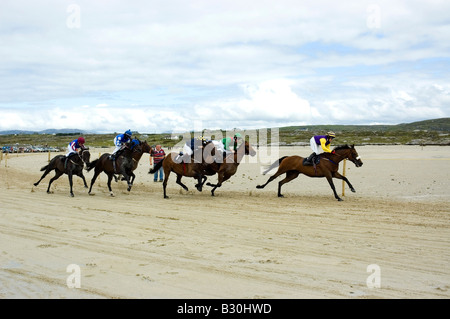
342,147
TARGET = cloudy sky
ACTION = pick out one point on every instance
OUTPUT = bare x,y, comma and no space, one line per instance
154,66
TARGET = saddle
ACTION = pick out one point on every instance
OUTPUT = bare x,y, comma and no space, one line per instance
65,159
313,162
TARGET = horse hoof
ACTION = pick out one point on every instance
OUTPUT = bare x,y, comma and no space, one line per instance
36,184
353,190
112,194
166,197
259,186
281,196
91,194
72,195
340,200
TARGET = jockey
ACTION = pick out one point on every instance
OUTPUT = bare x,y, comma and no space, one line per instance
119,141
320,144
226,146
75,146
190,147
230,146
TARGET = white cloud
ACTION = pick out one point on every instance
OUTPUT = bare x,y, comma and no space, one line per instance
261,62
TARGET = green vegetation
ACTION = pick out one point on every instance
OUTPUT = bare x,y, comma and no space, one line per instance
419,133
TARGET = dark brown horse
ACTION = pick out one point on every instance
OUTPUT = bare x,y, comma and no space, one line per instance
192,169
73,165
123,165
327,167
229,166
136,156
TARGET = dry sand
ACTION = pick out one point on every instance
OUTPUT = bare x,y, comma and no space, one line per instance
243,243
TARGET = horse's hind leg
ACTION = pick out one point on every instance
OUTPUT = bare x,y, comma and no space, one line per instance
166,178
110,177
48,170
57,175
271,178
290,175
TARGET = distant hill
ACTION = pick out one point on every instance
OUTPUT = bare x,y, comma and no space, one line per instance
428,132
440,125
48,131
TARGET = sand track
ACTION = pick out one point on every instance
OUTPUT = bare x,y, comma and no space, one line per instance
243,243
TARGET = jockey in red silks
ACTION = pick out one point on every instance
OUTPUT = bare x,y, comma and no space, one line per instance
75,146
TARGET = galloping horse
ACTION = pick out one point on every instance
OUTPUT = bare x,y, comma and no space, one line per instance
229,166
327,167
123,165
70,166
136,156
192,169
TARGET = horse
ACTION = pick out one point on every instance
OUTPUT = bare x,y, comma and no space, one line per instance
72,165
328,167
122,165
190,169
136,156
229,166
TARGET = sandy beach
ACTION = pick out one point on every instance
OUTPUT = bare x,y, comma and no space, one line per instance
242,243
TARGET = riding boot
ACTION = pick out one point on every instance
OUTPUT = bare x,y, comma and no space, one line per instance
311,159
179,157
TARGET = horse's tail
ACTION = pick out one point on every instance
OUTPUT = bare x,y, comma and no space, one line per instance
91,165
44,168
156,167
274,164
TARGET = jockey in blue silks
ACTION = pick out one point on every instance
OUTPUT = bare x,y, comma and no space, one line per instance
119,142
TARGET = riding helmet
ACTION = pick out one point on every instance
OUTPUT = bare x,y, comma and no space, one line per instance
81,140
331,134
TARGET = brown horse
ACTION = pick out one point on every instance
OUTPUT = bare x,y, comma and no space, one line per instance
229,166
192,169
123,165
73,165
327,167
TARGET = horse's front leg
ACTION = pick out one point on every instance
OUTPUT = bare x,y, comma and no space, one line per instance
339,176
71,182
200,183
180,183
84,179
330,181
130,180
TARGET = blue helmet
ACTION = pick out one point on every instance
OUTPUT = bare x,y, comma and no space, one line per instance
128,133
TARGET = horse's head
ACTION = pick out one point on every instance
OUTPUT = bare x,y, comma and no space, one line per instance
249,150
354,157
146,148
85,156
